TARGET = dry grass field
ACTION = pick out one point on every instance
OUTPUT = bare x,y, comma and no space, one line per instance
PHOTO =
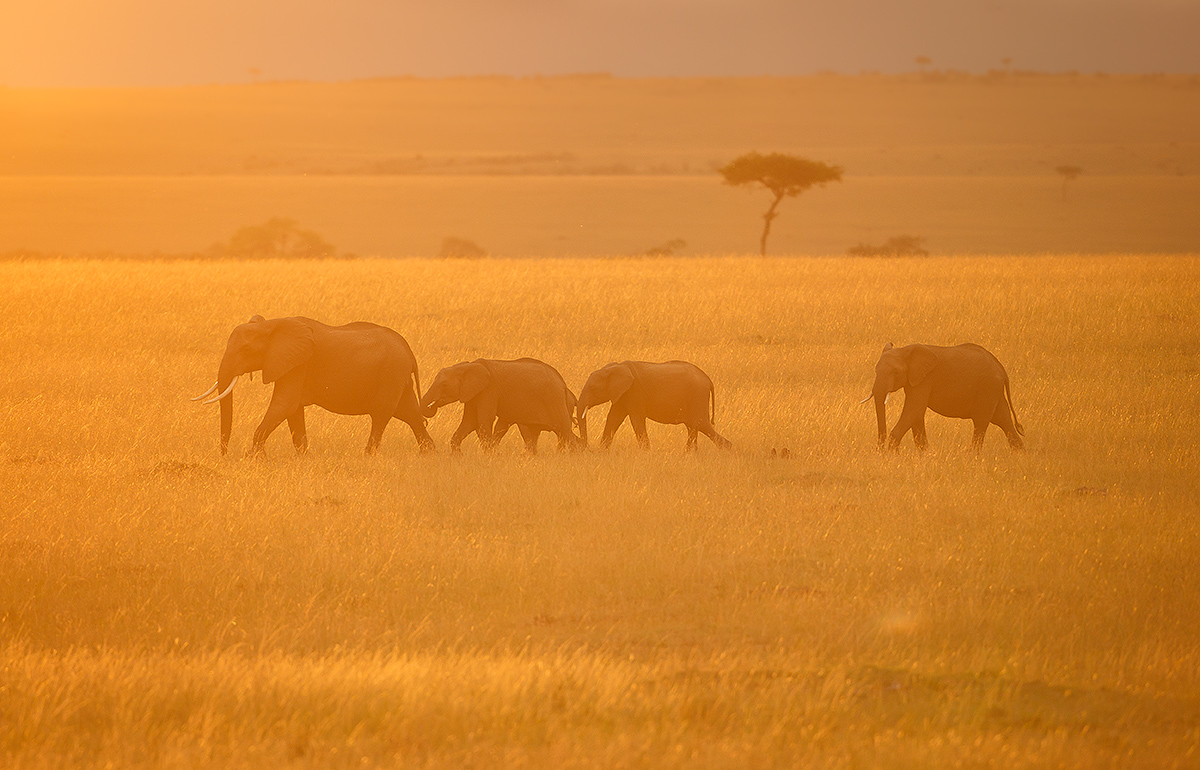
162,606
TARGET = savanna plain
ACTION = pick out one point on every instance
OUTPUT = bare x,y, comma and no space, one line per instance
161,605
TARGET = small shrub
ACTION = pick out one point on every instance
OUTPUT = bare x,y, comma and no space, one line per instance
461,248
667,249
896,246
277,237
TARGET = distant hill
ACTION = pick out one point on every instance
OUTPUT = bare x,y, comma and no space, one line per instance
929,124
602,165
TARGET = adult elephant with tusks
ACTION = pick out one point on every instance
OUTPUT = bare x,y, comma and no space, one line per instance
525,392
963,381
356,369
672,392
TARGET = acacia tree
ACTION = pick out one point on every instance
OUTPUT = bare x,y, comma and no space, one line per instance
786,176
1069,173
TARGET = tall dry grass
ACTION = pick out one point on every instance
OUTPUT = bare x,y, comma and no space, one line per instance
160,605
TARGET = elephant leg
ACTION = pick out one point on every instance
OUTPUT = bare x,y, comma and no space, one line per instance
378,423
898,432
616,416
986,406
913,413
277,411
531,435
485,416
708,430
638,421
408,411
1003,420
981,426
691,442
299,434
464,429
567,440
919,437
500,430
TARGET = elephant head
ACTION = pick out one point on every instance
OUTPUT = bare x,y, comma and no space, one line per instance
461,382
607,383
275,347
906,367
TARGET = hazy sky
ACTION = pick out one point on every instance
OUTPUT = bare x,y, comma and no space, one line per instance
167,42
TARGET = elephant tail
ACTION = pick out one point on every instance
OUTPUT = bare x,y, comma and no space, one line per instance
1008,397
417,380
712,410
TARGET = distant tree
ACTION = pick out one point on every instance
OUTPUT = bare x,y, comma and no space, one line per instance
277,237
786,176
1069,173
923,61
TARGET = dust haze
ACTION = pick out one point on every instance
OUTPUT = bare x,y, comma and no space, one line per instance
352,550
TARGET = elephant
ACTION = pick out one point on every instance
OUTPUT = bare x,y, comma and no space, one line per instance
526,392
355,369
671,392
964,381
530,433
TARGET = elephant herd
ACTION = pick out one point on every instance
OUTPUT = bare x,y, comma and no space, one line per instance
365,369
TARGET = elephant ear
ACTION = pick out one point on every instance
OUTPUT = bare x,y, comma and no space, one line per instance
921,362
475,378
291,344
619,381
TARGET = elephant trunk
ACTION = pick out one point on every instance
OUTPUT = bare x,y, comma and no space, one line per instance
880,394
581,420
226,376
427,406
226,422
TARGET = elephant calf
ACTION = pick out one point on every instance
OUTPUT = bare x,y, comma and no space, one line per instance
672,392
526,392
963,381
359,368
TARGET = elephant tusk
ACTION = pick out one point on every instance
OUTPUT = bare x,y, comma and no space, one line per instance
865,400
215,399
205,393
887,398
583,414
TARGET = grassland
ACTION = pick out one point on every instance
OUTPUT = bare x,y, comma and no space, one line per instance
598,166
162,606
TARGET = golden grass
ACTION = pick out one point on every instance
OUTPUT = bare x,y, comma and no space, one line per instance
160,605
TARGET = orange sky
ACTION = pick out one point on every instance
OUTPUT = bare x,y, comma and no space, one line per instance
171,42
